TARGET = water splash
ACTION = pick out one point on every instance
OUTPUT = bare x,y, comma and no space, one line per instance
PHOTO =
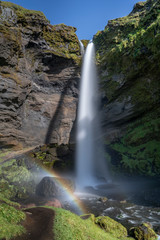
90,163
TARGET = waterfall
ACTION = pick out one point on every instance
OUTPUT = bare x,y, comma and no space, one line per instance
82,47
90,164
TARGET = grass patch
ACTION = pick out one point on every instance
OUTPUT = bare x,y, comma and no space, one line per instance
10,219
69,226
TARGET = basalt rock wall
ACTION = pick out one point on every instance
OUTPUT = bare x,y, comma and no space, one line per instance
39,75
128,60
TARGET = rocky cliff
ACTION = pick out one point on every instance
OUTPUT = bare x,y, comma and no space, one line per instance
39,74
128,58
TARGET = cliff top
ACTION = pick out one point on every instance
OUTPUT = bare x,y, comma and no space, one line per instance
61,39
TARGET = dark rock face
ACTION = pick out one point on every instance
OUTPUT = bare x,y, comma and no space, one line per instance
127,56
53,187
39,74
47,188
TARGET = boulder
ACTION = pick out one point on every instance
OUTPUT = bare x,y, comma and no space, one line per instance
143,232
54,187
111,226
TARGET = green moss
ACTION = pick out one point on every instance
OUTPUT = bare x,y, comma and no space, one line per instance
139,147
7,201
128,60
63,41
22,13
111,226
143,232
15,180
126,43
10,219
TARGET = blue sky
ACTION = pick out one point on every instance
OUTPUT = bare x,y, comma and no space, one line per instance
88,16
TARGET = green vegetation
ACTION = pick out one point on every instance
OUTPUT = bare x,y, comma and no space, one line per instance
10,219
144,232
15,180
139,147
111,226
63,41
130,46
22,13
128,60
70,226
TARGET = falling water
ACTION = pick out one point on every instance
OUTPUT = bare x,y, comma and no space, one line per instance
90,163
82,47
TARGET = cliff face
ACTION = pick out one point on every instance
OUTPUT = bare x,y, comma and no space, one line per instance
39,73
128,58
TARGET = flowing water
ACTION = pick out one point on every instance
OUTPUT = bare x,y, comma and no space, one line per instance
90,165
81,47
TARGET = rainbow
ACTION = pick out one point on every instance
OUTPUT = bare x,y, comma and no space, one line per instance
80,208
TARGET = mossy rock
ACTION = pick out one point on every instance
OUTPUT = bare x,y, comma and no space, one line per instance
111,226
143,232
63,41
24,15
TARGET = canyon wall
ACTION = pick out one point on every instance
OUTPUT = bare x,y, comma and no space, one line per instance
128,60
39,75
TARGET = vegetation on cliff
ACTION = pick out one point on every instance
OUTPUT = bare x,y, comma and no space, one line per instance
128,55
61,39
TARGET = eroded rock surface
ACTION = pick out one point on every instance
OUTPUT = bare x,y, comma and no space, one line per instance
39,74
127,56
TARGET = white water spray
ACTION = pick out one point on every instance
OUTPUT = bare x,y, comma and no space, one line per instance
90,160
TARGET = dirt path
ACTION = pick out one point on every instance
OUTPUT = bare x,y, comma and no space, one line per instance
38,224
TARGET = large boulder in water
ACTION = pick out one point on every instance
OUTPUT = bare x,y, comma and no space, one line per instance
54,187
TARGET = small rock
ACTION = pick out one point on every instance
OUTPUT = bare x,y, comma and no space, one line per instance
88,216
124,201
103,199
